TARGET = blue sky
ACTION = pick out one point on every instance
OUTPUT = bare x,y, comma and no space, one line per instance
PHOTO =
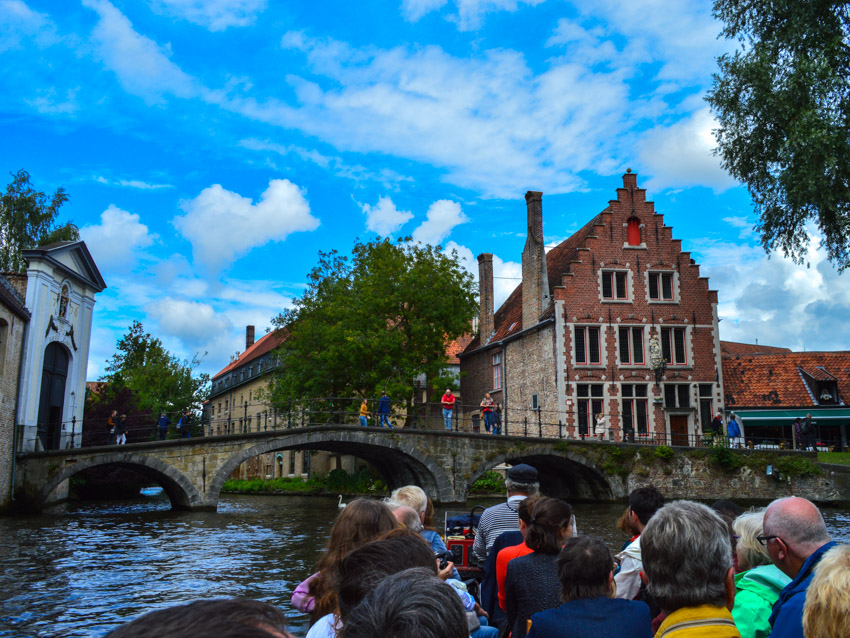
211,148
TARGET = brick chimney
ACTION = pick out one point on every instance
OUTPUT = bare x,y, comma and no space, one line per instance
485,293
535,279
249,336
630,180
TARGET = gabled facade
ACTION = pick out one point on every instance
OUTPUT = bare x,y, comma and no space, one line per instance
614,326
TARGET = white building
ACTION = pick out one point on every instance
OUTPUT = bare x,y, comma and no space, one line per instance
62,280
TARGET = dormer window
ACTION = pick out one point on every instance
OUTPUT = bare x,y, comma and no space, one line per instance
827,393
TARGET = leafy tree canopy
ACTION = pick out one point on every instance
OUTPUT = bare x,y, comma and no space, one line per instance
158,380
27,219
783,102
374,321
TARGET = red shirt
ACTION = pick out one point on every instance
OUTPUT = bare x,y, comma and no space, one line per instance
502,559
448,401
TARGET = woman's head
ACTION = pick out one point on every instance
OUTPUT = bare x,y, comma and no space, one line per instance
750,552
585,568
549,525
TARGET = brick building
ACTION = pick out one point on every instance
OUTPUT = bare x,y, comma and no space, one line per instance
613,326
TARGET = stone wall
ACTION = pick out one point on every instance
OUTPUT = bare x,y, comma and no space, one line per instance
11,342
531,371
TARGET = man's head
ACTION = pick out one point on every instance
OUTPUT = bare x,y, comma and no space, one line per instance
522,479
230,618
448,390
643,503
408,517
413,602
826,613
687,557
585,568
486,395
363,568
383,393
793,531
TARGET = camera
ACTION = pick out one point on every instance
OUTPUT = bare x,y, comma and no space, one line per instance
444,558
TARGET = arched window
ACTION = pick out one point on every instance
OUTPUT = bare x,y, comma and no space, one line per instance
634,231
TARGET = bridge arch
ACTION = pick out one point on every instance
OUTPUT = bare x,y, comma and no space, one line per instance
566,475
398,461
180,490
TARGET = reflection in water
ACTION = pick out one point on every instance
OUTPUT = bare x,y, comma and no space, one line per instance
83,568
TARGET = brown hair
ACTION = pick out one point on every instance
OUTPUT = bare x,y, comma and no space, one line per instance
361,521
428,522
584,566
548,517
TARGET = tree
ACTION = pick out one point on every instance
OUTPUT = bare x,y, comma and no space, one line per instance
373,322
28,219
783,102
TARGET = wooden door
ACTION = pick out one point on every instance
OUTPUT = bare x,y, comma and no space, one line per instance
679,429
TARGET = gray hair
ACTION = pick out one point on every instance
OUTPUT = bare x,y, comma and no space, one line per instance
411,495
747,527
798,522
413,602
529,489
407,516
686,556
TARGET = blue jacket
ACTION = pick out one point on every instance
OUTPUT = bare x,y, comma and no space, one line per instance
734,429
593,618
787,616
384,405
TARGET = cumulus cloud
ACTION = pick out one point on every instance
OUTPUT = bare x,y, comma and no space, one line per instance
507,275
141,65
469,12
222,225
215,15
19,23
442,217
680,155
384,218
113,243
192,322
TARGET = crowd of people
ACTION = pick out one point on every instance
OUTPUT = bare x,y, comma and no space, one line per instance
688,570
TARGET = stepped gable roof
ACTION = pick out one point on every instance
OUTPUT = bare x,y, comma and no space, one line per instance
11,298
261,346
778,380
732,348
507,320
454,348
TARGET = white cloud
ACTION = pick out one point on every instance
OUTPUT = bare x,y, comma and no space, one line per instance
141,65
680,155
384,218
130,183
223,225
414,10
215,15
18,23
443,216
469,12
192,322
113,243
507,275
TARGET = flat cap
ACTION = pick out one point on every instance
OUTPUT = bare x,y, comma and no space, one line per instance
522,473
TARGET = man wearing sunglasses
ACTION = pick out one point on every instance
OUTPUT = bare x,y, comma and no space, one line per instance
796,538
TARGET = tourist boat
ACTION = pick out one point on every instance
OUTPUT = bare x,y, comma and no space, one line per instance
460,531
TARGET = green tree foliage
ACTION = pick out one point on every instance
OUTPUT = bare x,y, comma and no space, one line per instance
783,102
143,378
27,219
372,322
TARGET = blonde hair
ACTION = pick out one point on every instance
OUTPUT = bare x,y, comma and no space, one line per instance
412,496
747,526
826,613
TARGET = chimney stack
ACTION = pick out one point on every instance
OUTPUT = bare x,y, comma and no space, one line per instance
630,180
535,279
249,336
485,293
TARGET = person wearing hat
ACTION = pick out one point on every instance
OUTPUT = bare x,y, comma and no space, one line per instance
520,484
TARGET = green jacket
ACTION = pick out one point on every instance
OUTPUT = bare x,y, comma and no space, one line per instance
756,590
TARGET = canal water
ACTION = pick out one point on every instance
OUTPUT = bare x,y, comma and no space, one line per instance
83,568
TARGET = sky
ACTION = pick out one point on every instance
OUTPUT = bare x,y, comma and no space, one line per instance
212,148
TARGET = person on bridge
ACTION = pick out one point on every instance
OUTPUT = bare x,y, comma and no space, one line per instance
520,484
183,425
448,402
497,419
163,422
487,406
110,423
121,430
384,410
364,413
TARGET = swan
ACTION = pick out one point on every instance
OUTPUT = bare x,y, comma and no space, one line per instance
340,504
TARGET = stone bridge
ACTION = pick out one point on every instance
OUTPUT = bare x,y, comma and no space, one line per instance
445,464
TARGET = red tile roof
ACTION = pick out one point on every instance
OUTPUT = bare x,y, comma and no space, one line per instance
733,348
265,344
777,380
454,348
508,318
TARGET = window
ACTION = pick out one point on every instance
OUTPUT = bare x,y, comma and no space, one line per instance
706,392
588,351
497,371
661,286
631,346
292,461
590,405
614,284
633,231
673,346
634,408
677,395
219,408
535,402
225,406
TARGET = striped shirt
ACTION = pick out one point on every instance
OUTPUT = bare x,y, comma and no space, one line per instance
495,520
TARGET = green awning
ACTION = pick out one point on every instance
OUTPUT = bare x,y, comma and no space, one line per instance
822,416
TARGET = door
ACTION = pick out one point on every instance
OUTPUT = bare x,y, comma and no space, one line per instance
54,372
679,429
